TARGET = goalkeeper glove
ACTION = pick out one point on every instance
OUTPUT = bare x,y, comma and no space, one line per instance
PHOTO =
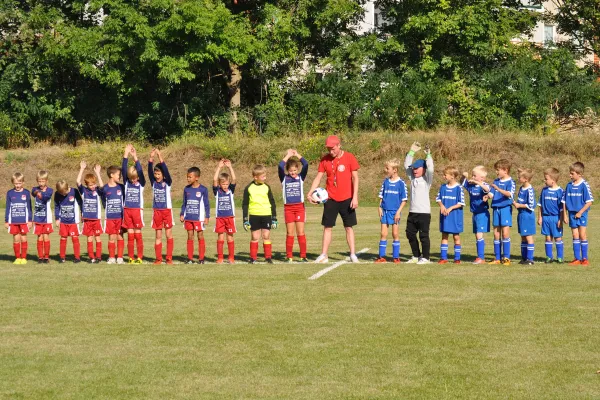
274,223
246,224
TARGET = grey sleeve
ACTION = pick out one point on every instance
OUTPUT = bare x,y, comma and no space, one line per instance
407,163
429,172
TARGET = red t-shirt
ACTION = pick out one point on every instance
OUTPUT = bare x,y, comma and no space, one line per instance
339,175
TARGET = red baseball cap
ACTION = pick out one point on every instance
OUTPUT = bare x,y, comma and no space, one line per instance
332,141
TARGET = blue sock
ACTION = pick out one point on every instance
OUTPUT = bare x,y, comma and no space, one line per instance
457,251
560,250
584,249
506,247
549,249
382,248
524,250
497,249
530,251
444,251
577,249
396,248
480,248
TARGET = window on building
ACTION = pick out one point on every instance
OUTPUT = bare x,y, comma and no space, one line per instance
548,35
376,20
536,4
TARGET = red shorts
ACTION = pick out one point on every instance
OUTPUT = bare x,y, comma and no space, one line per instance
162,219
225,225
92,227
68,230
133,218
197,226
294,213
42,229
113,226
18,229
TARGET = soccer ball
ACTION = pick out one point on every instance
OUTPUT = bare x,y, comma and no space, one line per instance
320,195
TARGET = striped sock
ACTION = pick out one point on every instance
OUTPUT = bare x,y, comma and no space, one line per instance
524,250
444,251
584,249
382,248
481,248
506,248
396,248
549,249
530,251
577,249
497,249
560,250
457,251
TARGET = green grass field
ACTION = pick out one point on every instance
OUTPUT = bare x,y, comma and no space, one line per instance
362,331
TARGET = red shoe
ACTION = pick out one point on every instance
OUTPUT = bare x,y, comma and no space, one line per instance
585,262
456,261
380,260
443,262
219,261
575,262
232,261
479,261
169,262
397,261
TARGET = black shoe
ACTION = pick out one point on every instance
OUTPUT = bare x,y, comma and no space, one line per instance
268,261
252,261
201,261
523,262
62,260
40,260
92,261
76,261
189,262
529,262
304,260
46,261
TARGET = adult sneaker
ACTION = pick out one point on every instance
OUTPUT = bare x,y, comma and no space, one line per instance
523,262
423,261
231,260
413,260
111,260
322,259
353,258
479,261
585,262
120,260
380,260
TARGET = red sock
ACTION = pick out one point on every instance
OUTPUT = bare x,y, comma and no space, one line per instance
220,244
289,246
17,249
24,250
90,248
120,248
158,251
130,245
201,249
111,249
63,248
268,249
190,249
99,250
253,250
76,247
302,243
40,249
170,246
47,249
231,249
140,244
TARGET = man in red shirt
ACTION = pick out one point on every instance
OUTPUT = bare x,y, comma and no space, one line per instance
341,169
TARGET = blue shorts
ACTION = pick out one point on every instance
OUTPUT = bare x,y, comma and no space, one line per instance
577,222
502,216
388,217
481,222
526,223
550,226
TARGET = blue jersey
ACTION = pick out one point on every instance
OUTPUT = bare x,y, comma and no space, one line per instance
450,196
42,208
577,195
161,191
526,196
195,206
91,202
551,201
113,200
67,207
18,207
392,194
134,192
293,188
498,199
224,201
476,194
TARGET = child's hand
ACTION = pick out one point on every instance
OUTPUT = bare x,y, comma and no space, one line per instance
416,146
57,223
443,210
427,150
559,224
566,219
397,217
206,221
97,169
380,212
466,176
578,215
289,153
134,153
38,194
485,198
181,218
6,225
540,220
83,164
152,154
30,225
221,163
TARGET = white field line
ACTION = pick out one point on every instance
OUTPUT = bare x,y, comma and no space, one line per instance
334,266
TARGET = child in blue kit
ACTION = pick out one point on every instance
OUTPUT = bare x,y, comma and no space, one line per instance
525,204
578,199
478,192
393,198
502,193
451,199
550,215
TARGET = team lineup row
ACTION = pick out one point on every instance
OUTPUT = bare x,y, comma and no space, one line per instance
123,208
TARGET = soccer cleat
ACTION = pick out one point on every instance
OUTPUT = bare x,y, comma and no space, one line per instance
353,258
443,262
304,260
156,262
397,261
131,261
268,261
322,259
479,261
219,261
112,260
456,261
575,262
252,261
495,262
231,261
549,260
412,260
380,260
585,262
17,261
92,261
506,261
120,260
189,262
423,261
40,260
62,261
46,261
201,261
76,261
560,261
529,262
23,261
290,260
138,261
169,262
523,262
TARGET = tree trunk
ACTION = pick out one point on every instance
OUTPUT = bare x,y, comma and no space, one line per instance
234,95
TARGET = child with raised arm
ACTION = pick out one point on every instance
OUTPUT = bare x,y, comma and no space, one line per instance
550,215
195,214
162,206
420,173
17,216
502,193
451,199
392,199
91,195
113,198
578,199
42,216
133,213
67,210
223,188
525,205
478,193
292,172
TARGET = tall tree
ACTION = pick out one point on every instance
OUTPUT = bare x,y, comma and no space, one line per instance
579,19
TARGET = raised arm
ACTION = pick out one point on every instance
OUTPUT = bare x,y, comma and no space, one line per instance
138,167
125,163
151,166
233,179
416,146
82,167
167,176
429,163
304,170
217,172
97,170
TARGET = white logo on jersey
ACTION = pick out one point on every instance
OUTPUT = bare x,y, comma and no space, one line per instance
341,168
